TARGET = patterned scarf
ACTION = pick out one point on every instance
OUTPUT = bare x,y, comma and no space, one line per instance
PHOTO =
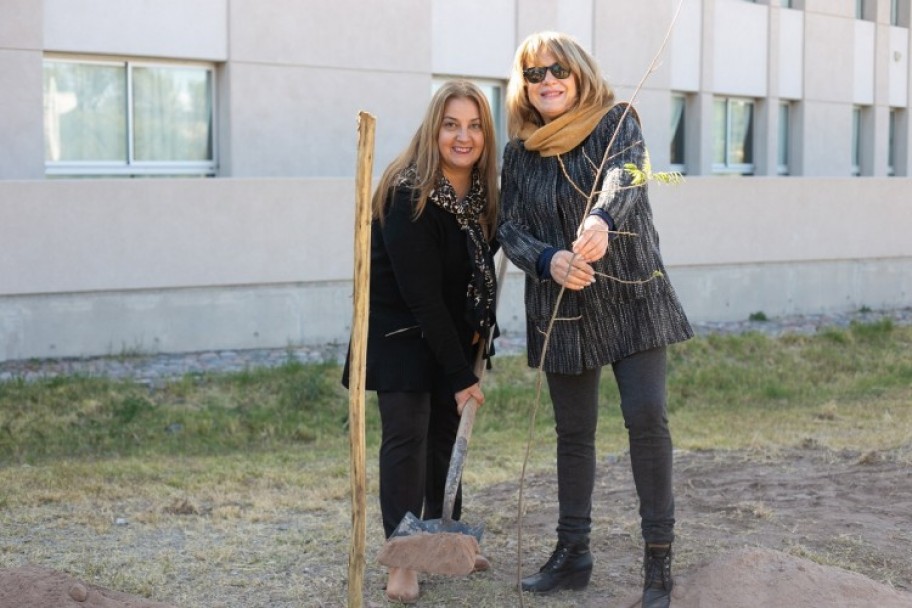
483,286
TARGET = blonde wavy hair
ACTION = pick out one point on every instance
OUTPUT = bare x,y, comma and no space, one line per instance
423,152
592,88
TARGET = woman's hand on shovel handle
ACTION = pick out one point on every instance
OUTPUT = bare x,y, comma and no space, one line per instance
471,392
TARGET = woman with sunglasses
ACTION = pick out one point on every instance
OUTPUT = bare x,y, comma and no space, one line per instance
597,259
432,291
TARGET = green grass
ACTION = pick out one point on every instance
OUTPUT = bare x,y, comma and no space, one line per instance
196,415
839,387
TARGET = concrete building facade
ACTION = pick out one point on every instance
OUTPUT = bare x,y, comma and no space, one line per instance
790,120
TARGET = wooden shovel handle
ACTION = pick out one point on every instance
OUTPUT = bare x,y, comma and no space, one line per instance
461,446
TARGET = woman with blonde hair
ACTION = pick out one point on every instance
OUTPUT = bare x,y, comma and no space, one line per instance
563,121
432,290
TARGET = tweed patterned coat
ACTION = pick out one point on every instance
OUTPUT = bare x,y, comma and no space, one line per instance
608,320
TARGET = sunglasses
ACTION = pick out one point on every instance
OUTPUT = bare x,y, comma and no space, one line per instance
536,75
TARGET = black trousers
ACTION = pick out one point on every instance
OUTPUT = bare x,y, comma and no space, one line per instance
641,381
418,432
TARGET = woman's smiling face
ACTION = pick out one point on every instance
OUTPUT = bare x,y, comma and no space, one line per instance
461,138
552,97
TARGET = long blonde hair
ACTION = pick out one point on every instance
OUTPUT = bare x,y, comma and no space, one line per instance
592,88
423,152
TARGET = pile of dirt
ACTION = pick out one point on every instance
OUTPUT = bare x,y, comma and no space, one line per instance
34,587
748,578
755,524
745,578
451,553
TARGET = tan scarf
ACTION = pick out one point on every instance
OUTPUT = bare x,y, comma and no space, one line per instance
564,133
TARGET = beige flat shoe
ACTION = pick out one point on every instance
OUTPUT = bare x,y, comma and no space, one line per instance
482,563
402,586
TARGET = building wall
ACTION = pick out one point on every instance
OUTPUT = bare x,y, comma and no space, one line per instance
169,265
164,28
261,255
173,264
21,100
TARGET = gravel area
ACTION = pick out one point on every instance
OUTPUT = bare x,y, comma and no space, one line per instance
157,368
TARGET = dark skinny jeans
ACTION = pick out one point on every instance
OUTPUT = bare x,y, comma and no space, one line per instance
418,432
641,381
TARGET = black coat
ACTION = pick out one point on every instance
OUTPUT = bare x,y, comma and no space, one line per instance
419,335
611,319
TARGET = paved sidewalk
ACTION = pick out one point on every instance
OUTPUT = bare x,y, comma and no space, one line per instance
155,369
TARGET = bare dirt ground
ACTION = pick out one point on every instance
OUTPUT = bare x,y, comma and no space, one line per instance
802,527
848,509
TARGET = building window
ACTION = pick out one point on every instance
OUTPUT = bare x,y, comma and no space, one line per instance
786,3
859,9
678,121
856,141
782,163
109,118
891,143
733,136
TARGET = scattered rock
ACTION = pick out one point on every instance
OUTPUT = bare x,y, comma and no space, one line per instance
78,592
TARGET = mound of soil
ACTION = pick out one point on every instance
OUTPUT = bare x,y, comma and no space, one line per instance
753,528
748,578
34,587
745,578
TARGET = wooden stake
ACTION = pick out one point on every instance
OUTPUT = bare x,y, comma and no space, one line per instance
358,354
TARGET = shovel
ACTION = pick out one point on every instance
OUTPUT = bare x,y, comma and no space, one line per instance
441,546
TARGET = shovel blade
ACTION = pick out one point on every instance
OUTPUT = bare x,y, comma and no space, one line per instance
411,525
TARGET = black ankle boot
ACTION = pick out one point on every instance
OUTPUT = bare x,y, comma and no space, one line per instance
657,581
569,567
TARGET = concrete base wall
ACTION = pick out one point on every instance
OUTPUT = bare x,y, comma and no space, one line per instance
275,316
733,293
175,320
